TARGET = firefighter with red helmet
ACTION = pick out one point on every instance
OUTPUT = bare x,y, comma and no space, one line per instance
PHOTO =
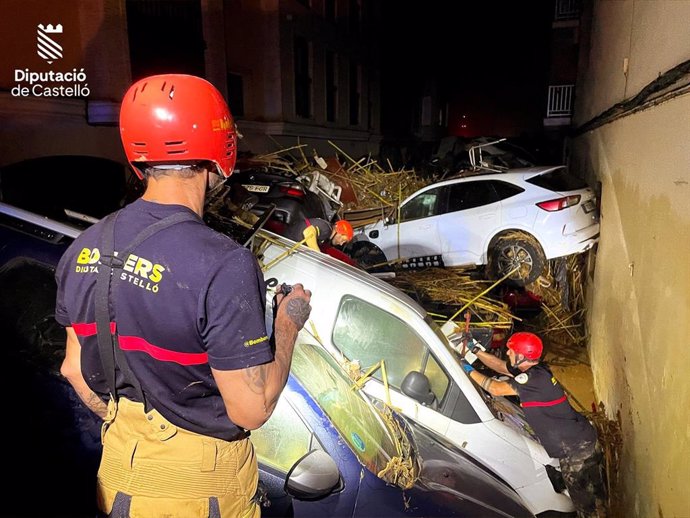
565,434
320,235
165,320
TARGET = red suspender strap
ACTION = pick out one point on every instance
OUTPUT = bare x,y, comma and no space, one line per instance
543,403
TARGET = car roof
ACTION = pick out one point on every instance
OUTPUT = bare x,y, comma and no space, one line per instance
515,175
355,274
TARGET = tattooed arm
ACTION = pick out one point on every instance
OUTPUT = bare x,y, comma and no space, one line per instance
71,369
493,386
494,363
251,394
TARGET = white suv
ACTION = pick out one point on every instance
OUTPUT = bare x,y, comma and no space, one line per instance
361,320
518,218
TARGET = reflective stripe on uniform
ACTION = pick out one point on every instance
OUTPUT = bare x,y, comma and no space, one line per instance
544,403
136,343
89,329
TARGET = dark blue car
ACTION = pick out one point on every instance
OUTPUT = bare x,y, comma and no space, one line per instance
328,451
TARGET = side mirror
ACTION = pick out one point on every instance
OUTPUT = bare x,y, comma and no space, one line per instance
416,385
313,476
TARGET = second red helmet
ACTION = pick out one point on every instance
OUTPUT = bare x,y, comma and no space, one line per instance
343,227
177,118
527,344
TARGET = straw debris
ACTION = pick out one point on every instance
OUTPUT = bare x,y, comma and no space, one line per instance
456,287
562,291
611,441
374,185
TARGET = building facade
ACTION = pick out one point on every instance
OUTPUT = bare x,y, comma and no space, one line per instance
304,70
289,69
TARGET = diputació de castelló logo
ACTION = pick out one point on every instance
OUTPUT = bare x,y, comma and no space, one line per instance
51,83
46,46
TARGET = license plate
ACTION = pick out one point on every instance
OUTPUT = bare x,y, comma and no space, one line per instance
257,188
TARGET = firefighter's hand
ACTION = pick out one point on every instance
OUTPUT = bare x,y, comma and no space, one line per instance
294,305
466,366
474,346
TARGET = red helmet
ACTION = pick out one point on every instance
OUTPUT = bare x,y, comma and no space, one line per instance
343,227
527,344
175,118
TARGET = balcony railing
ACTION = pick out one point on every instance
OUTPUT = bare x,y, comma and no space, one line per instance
560,102
566,10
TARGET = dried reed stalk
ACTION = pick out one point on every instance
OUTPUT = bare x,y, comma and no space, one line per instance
455,287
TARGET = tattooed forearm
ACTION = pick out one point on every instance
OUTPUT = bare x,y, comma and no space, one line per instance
93,402
268,379
298,310
264,383
486,383
256,378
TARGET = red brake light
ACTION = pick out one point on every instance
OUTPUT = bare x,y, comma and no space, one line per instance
559,204
291,191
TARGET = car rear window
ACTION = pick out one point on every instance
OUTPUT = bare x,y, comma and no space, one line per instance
506,190
468,195
558,181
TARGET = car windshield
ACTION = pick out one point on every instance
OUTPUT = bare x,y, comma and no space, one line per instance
374,440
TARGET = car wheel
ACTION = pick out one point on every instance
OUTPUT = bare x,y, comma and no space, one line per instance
366,254
517,250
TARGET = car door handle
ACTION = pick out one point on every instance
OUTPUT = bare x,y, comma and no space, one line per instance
487,216
424,227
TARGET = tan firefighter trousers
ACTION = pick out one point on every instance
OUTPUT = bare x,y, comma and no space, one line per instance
165,471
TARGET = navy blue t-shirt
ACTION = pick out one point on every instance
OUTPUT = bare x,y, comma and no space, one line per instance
548,411
187,299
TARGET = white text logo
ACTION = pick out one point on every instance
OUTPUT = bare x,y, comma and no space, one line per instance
51,83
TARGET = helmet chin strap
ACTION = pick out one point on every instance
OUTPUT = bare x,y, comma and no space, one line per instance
214,186
520,361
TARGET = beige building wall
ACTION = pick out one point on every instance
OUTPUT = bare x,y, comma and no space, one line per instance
640,313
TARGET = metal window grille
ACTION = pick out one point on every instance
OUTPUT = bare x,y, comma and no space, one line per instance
566,9
560,102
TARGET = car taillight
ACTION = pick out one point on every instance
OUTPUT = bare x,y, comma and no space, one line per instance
291,191
559,204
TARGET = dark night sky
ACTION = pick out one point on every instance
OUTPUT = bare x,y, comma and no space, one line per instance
491,58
